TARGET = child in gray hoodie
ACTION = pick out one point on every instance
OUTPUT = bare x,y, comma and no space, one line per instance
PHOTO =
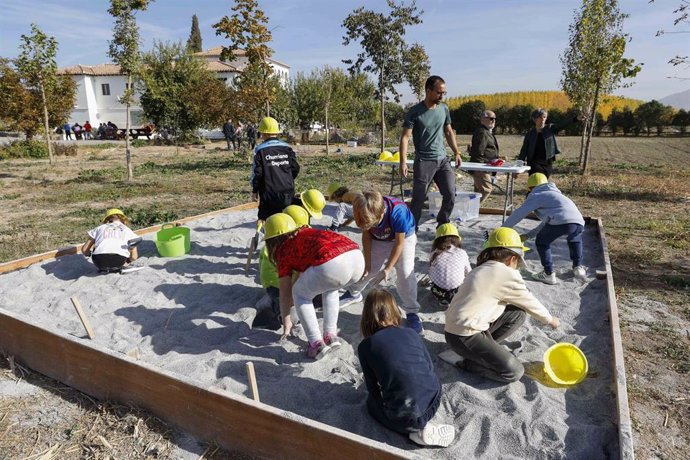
559,217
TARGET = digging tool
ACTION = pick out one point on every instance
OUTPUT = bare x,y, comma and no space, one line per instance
253,244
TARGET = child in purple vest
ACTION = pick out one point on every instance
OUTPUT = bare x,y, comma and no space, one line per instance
388,242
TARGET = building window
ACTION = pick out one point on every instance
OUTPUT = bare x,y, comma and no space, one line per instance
105,88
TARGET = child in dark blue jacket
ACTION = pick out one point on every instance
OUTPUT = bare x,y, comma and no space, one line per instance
404,391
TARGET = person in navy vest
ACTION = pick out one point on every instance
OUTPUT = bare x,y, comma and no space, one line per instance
388,242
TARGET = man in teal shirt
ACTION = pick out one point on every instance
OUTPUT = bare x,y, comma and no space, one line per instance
428,123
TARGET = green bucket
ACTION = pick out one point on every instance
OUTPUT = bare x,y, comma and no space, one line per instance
172,241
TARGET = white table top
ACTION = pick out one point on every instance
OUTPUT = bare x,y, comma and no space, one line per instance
469,166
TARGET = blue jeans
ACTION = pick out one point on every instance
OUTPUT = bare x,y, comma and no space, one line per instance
550,233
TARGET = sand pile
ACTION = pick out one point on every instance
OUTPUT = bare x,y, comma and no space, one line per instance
192,316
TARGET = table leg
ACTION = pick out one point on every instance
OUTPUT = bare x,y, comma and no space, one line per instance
509,195
392,181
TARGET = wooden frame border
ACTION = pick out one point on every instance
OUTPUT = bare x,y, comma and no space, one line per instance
233,422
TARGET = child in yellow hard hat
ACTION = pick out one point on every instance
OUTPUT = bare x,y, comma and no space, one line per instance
448,264
404,390
490,305
326,262
343,197
109,243
274,171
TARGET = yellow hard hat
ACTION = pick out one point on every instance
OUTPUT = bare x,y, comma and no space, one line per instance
536,179
385,156
298,214
506,237
278,224
314,202
447,230
332,189
113,212
565,363
269,125
395,157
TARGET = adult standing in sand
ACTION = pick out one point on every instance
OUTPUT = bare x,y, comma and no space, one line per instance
428,123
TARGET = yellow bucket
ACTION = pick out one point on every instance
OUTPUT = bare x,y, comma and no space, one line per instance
172,241
385,156
565,364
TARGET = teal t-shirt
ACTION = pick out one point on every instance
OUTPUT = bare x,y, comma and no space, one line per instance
427,130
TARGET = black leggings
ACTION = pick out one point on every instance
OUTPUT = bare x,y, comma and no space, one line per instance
109,262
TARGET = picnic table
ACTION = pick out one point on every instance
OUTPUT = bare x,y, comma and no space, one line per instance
509,170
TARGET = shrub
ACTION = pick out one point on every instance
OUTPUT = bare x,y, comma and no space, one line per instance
66,150
24,149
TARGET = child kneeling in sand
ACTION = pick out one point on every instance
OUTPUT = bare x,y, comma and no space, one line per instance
404,391
326,261
389,241
343,198
490,306
108,243
448,265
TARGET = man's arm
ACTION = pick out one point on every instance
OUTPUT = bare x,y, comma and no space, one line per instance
402,149
556,127
450,138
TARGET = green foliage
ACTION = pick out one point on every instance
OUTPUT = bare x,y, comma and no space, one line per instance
194,41
654,114
146,217
24,149
467,117
179,92
681,119
247,30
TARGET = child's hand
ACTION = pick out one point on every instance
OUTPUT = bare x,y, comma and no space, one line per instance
255,197
378,278
287,327
554,323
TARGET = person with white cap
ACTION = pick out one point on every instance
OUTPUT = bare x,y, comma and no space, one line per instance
491,305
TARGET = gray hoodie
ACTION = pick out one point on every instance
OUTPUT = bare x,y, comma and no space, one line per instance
550,206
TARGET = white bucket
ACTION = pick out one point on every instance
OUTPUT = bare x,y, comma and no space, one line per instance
352,143
466,205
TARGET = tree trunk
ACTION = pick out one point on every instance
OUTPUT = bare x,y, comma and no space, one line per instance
128,153
383,123
592,122
327,133
46,125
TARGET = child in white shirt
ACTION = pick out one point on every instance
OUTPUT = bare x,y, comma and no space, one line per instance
448,265
108,243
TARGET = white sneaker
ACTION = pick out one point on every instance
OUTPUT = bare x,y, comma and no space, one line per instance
434,435
451,357
544,278
579,273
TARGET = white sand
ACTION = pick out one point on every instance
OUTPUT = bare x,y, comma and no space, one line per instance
192,316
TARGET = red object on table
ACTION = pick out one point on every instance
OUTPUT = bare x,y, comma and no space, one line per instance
496,162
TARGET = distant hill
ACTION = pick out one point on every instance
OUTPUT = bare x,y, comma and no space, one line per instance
678,100
545,99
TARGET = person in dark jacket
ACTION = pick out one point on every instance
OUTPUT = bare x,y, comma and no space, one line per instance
404,391
229,133
273,172
484,148
539,149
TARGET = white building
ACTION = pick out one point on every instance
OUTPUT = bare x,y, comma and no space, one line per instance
100,86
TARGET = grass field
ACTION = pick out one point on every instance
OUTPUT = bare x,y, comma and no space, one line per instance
639,186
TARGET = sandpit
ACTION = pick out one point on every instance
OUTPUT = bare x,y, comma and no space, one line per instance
192,315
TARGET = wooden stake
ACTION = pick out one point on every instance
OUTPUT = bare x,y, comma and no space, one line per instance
82,317
252,381
134,353
601,274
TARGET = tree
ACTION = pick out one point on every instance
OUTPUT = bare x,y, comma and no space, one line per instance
385,52
681,119
178,91
21,106
124,51
468,116
416,67
194,40
520,118
37,69
654,114
248,33
593,63
682,13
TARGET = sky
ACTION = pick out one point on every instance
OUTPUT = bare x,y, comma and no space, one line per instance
476,46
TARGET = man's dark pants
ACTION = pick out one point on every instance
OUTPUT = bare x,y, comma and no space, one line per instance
442,174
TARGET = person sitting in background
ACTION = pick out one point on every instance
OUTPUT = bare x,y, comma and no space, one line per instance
404,391
559,216
108,244
484,148
77,131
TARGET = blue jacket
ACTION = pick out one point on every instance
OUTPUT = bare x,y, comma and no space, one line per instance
275,168
399,374
550,206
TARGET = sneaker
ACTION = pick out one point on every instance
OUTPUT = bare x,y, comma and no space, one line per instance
579,273
414,323
332,340
347,299
434,435
544,278
318,350
452,358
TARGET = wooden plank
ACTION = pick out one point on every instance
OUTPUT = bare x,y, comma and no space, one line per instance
234,422
251,376
82,317
625,438
71,250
